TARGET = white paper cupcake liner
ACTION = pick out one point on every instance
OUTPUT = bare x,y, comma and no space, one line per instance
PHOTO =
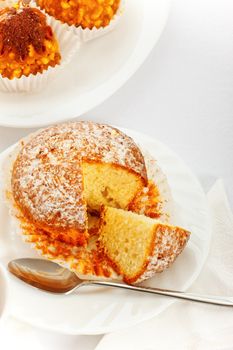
84,35
68,45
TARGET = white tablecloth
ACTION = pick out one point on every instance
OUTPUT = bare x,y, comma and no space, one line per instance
182,95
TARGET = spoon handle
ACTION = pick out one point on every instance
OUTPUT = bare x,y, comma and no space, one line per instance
208,299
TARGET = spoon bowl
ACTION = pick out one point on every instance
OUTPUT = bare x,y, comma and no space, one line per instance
45,275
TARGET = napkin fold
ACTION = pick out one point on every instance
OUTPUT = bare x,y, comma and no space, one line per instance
186,325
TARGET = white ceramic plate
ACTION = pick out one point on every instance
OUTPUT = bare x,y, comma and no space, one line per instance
97,310
96,72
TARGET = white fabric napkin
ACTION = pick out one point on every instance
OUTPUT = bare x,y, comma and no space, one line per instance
187,325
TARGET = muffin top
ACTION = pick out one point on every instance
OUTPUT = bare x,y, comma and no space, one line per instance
27,43
85,13
20,28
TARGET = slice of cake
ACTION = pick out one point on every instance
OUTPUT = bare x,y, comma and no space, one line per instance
138,246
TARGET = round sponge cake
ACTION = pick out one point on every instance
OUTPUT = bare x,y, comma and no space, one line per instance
66,169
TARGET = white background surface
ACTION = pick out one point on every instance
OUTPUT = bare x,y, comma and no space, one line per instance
182,95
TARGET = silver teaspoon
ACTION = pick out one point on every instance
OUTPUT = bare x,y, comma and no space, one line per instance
51,277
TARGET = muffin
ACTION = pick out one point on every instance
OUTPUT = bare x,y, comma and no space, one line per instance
27,43
68,169
82,13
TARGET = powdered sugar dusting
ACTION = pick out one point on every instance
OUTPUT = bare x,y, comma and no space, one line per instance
169,243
